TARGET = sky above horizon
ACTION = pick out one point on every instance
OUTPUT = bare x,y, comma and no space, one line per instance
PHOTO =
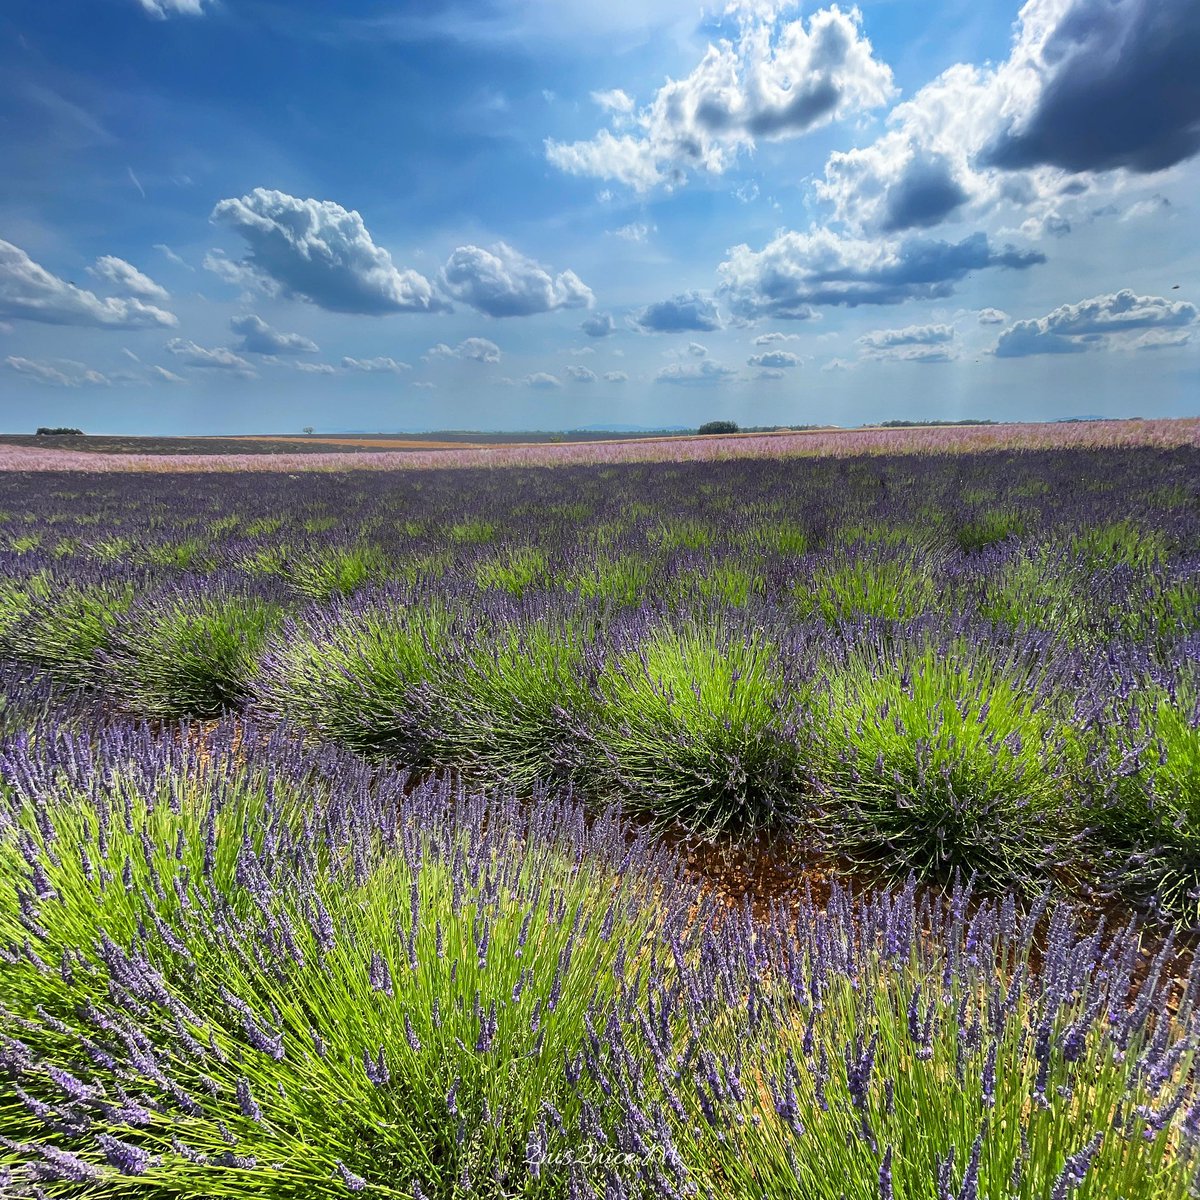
233,216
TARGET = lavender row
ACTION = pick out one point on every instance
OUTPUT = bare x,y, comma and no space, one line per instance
236,965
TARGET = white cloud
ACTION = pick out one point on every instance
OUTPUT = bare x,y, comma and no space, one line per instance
689,374
173,8
502,282
910,335
838,364
475,348
29,292
992,316
1100,323
679,314
581,374
316,250
59,373
771,339
614,101
217,359
170,255
164,376
696,350
798,270
376,366
542,380
598,325
616,377
913,343
127,278
770,375
774,360
778,79
636,231
259,338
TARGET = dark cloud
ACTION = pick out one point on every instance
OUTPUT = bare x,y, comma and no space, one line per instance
1121,89
925,194
679,314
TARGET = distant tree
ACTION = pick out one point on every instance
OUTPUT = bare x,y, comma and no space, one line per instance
719,427
57,431
308,429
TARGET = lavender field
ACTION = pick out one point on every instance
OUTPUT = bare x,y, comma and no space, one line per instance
376,830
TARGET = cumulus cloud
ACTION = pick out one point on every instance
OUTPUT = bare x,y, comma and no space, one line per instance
173,8
774,360
614,101
126,278
798,270
636,231
913,343
1089,86
772,338
259,338
598,325
310,368
29,292
679,314
475,348
616,377
770,375
1100,323
910,335
542,380
696,350
581,374
992,316
315,250
216,359
504,283
777,79
376,366
60,373
690,374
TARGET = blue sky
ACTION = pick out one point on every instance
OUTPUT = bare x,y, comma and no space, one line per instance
257,215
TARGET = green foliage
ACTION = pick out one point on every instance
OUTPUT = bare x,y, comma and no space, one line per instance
65,629
895,587
516,570
1149,784
990,527
622,578
513,704
328,571
718,427
690,730
361,676
941,762
189,654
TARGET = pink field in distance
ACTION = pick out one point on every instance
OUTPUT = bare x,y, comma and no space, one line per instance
956,439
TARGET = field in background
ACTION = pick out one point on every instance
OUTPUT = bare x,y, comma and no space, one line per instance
32,454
